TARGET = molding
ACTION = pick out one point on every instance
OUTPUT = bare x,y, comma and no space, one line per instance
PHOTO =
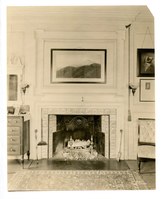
121,34
74,35
14,62
38,34
47,40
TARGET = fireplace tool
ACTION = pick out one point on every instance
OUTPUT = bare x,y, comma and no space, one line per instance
119,153
41,143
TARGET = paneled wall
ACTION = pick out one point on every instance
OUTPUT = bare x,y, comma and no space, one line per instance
142,37
40,30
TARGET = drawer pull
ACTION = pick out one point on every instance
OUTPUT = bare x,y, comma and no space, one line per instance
12,149
12,139
12,121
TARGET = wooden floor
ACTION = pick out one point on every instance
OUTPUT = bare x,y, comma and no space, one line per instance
147,168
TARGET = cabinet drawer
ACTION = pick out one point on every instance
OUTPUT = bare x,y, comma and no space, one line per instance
13,149
13,121
13,139
13,130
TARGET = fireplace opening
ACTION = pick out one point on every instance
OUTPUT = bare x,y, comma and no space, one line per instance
78,137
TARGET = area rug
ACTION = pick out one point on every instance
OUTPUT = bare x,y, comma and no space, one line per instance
58,180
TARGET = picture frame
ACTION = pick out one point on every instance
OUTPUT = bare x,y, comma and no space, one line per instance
17,110
147,90
146,62
78,66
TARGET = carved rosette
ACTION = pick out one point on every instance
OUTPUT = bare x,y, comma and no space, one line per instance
108,126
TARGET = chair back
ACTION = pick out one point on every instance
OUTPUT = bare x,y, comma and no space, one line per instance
146,132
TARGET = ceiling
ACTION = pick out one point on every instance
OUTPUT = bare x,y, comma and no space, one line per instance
78,14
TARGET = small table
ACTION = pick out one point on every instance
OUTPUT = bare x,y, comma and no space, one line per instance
18,136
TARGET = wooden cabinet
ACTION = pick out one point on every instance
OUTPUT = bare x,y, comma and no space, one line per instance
18,136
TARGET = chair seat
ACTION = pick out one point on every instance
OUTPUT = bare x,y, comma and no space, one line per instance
145,151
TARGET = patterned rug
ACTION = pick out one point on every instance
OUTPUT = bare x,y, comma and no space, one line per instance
58,180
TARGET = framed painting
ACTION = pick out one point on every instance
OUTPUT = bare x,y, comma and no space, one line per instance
146,62
147,90
17,110
78,66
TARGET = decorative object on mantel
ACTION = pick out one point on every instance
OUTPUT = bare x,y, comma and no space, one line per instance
129,112
133,87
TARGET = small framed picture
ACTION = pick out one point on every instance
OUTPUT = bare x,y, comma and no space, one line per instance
17,110
147,90
146,63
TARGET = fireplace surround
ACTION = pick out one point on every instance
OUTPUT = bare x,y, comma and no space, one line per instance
108,126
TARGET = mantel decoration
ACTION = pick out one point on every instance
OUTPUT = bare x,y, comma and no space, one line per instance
78,66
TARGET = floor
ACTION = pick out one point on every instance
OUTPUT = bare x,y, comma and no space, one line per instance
147,168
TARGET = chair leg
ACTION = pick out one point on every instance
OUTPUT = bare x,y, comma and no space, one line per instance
37,155
139,163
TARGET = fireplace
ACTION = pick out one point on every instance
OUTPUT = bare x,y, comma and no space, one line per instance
105,117
78,137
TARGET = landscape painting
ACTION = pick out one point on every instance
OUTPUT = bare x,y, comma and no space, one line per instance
78,66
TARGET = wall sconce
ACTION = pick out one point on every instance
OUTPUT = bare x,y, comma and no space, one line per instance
133,87
23,88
